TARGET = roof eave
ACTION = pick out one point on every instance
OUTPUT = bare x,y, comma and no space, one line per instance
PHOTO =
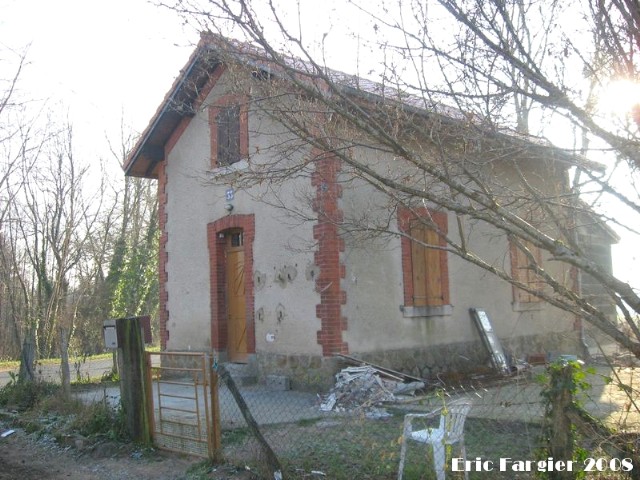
148,151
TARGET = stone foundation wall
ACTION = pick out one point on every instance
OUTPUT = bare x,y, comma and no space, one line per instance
306,372
314,373
469,357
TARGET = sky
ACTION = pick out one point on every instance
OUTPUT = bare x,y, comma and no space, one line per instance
97,62
103,62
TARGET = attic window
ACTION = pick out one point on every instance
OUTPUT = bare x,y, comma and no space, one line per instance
228,125
228,121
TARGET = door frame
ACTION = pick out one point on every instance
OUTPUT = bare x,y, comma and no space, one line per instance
217,265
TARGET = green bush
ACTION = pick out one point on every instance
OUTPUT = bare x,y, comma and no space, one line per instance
100,419
26,395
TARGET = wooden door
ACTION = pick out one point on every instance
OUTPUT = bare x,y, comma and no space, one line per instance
236,300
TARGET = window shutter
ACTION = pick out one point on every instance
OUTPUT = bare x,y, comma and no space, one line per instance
428,278
419,265
521,271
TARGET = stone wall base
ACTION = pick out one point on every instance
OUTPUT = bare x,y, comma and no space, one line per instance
305,372
315,373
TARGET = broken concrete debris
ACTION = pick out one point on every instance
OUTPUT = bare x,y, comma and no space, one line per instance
366,388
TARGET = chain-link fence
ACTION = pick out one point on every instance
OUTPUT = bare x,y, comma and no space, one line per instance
355,430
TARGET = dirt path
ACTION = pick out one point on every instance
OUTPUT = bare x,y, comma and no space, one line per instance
25,457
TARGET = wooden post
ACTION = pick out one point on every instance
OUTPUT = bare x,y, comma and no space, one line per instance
149,395
561,431
215,429
133,376
272,460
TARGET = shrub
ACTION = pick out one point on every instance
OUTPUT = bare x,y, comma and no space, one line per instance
26,395
100,419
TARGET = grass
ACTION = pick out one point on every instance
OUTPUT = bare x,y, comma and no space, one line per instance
237,436
344,448
15,364
44,408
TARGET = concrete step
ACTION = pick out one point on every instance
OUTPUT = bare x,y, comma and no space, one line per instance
244,374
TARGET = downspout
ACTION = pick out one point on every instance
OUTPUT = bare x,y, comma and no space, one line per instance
582,339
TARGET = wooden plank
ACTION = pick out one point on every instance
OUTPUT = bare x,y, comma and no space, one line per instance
419,265
434,293
491,341
387,371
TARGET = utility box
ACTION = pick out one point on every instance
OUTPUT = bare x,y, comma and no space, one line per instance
109,334
111,338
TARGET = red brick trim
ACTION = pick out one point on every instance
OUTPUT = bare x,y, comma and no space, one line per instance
163,256
327,255
217,278
405,217
214,109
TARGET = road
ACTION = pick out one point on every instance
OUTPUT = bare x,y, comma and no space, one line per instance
51,372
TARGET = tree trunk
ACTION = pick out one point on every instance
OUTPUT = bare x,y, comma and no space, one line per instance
28,358
64,362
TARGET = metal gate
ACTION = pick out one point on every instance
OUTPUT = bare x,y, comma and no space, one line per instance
184,398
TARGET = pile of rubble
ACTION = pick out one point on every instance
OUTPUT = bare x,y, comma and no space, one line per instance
366,388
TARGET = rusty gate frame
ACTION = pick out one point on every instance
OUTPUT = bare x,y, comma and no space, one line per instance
203,375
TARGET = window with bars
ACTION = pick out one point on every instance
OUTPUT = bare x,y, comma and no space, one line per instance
228,135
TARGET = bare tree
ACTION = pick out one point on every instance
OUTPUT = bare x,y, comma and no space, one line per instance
448,106
47,225
68,257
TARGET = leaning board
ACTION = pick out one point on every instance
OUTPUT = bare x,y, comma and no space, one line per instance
490,340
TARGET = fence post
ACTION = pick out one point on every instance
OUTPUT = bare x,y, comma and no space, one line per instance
271,458
133,385
560,398
215,429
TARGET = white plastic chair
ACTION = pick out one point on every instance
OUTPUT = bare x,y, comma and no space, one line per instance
450,431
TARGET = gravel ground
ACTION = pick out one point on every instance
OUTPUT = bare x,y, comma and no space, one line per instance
29,457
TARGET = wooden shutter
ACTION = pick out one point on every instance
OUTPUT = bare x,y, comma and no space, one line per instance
522,272
427,267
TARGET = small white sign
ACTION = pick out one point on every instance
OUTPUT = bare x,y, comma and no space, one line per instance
271,337
229,194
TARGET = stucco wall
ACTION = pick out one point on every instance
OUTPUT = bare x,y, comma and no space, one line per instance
378,329
285,271
284,310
